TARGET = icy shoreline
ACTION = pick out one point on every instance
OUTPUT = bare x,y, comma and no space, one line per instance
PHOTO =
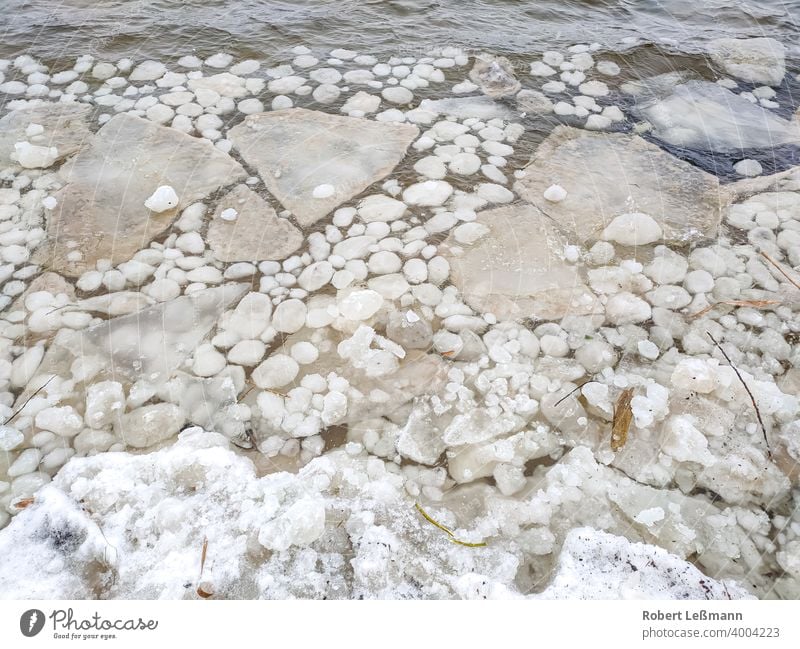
367,272
269,537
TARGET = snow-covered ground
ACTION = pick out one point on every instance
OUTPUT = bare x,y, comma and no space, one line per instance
345,327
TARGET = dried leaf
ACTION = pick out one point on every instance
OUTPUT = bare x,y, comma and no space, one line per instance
756,304
23,503
446,530
622,420
203,588
449,352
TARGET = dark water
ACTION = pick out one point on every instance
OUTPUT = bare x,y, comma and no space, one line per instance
168,28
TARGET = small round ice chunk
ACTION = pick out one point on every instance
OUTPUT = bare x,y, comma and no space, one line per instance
593,89
275,372
601,253
190,62
378,207
250,106
430,193
229,214
289,316
207,361
695,374
26,462
555,193
633,229
626,308
465,164
281,102
597,122
384,262
31,156
360,305
608,68
397,95
540,69
554,346
748,167
148,71
647,349
595,355
163,199
247,352
326,93
431,167
10,438
304,352
698,281
63,421
323,191
415,271
219,60
315,276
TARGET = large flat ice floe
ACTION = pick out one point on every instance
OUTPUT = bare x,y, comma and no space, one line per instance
255,232
606,175
705,116
757,60
64,127
509,262
312,161
142,349
100,212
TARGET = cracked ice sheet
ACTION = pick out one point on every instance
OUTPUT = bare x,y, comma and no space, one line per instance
148,345
100,212
703,115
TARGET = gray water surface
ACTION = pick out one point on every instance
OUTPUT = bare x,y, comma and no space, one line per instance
168,28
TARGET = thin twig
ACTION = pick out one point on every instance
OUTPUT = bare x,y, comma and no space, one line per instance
58,308
446,530
246,392
749,393
428,518
22,407
780,269
756,304
571,392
